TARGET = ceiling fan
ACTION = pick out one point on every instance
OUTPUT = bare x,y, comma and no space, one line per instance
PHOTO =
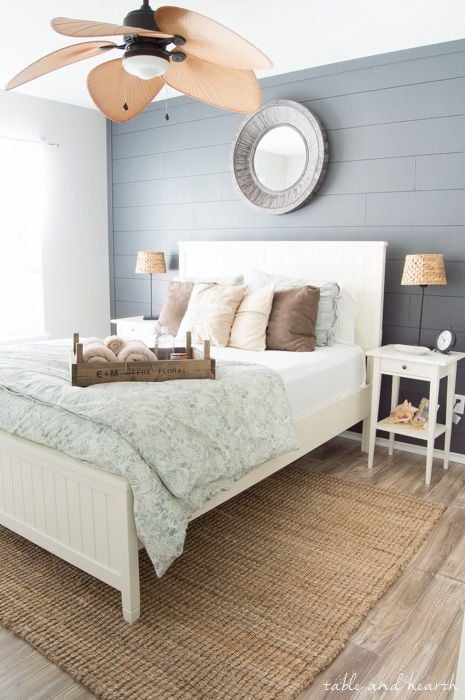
174,46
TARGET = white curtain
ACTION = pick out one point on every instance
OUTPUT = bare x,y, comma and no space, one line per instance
22,187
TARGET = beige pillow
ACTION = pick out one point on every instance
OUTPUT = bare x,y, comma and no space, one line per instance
249,328
210,312
175,305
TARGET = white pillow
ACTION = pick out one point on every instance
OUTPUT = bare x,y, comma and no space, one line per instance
210,312
344,330
248,331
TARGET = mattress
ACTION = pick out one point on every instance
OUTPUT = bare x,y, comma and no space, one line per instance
312,379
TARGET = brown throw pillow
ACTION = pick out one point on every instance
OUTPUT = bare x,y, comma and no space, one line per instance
292,320
175,305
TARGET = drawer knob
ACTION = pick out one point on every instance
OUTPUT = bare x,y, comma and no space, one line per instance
404,366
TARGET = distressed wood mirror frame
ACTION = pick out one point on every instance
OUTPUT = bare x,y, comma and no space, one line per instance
271,115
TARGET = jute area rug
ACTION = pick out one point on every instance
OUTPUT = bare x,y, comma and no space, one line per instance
270,587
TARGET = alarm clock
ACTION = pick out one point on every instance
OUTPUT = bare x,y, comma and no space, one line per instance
445,341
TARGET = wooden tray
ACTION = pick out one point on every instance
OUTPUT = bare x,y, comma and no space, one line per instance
88,373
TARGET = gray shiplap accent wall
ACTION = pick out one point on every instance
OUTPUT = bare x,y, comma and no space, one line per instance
396,126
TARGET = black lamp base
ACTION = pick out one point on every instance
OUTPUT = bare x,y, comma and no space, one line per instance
150,318
423,287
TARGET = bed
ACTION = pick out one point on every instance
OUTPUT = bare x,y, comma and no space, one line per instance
85,515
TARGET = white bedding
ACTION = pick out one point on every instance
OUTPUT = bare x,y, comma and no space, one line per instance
312,379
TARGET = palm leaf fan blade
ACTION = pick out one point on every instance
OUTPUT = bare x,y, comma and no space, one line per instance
119,95
81,27
210,40
60,59
227,88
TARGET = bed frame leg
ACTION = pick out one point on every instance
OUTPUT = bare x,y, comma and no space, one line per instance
130,594
130,615
366,421
130,589
365,434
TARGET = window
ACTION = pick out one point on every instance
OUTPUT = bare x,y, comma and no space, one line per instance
21,213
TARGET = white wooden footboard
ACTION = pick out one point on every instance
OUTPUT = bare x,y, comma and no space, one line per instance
81,514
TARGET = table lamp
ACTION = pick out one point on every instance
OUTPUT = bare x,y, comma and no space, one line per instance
150,263
423,269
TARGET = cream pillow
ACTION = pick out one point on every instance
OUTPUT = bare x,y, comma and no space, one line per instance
249,328
210,312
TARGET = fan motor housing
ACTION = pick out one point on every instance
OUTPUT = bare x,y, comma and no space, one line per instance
144,46
145,49
143,18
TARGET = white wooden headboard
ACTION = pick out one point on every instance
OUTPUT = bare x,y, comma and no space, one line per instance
358,266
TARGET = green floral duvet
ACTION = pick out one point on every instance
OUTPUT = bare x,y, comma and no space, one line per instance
178,443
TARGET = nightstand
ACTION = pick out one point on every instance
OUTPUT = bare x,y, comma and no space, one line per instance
431,368
136,328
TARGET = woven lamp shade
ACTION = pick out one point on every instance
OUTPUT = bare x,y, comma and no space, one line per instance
423,269
150,262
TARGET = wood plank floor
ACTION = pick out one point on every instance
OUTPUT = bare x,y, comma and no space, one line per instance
413,630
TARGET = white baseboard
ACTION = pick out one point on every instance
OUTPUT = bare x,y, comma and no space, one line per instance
407,447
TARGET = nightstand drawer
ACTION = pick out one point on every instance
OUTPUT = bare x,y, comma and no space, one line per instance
408,368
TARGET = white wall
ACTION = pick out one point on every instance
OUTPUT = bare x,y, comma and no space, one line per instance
75,236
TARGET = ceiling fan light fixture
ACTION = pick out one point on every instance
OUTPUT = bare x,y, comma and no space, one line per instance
145,66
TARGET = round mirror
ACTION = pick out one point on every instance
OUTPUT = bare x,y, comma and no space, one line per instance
280,158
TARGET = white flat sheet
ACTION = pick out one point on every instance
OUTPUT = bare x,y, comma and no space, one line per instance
312,379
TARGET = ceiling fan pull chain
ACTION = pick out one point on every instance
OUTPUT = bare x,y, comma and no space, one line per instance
167,116
125,105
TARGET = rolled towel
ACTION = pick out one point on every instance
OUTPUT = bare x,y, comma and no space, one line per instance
136,351
115,343
97,352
